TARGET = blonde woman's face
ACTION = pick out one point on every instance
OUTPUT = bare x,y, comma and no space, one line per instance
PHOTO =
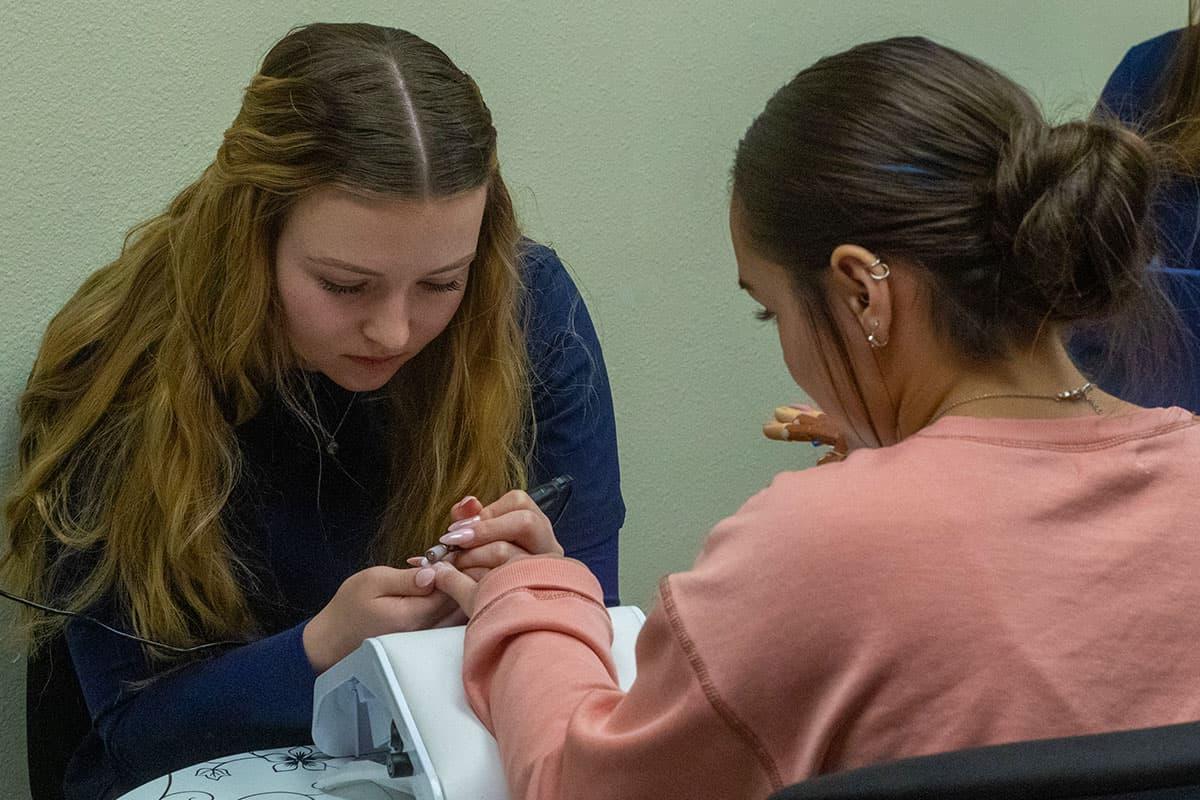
366,283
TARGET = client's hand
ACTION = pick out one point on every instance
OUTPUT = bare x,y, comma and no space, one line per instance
803,423
511,527
489,536
458,586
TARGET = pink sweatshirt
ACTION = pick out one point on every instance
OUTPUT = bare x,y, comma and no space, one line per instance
983,581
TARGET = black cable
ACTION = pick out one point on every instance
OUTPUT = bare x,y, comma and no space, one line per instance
111,629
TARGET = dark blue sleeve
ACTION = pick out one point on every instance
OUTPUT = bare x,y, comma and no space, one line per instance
573,416
1129,93
253,696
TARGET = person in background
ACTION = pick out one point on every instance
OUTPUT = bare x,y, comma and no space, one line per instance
239,429
1155,90
1006,552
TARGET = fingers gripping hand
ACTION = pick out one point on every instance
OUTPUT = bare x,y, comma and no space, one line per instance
804,423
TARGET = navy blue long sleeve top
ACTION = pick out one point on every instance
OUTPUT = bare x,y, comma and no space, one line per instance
1131,95
304,524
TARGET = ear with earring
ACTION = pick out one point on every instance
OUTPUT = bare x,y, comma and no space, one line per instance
879,271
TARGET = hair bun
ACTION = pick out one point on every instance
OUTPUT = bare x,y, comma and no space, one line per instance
1070,212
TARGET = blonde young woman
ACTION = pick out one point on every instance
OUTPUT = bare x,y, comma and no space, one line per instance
239,429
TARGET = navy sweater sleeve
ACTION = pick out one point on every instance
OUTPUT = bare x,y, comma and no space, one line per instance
573,414
257,695
1130,91
1131,95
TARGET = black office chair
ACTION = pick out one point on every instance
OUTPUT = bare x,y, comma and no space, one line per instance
56,718
1146,764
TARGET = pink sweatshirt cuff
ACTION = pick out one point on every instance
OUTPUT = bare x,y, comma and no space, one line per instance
541,573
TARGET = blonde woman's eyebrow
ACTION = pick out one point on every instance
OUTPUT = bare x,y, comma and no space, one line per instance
330,261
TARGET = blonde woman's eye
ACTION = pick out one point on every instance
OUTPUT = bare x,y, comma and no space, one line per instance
452,286
340,288
762,315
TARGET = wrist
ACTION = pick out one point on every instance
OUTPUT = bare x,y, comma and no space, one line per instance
313,640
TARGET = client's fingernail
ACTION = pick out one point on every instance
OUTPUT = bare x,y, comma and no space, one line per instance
464,501
462,523
425,576
415,561
458,537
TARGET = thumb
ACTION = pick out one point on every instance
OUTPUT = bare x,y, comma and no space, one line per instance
459,586
384,581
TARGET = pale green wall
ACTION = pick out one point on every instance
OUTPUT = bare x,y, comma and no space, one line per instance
617,124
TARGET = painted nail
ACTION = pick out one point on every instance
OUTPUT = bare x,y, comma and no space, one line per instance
425,576
415,561
459,537
463,523
464,501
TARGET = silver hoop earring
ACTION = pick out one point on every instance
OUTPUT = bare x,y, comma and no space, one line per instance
874,340
879,276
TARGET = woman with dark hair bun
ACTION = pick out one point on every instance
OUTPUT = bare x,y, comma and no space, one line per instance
1007,552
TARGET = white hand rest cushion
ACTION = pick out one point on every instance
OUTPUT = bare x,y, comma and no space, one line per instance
414,680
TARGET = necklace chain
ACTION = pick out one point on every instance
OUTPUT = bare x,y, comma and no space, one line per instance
1067,396
331,444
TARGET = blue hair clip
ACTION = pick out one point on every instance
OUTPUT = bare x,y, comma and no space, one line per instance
907,169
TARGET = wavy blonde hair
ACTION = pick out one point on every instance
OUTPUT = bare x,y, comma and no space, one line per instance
127,454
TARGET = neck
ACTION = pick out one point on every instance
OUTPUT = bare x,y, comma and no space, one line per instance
1040,373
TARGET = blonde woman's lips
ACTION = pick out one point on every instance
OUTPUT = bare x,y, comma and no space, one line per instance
376,363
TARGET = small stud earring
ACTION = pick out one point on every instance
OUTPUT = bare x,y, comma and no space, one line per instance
874,340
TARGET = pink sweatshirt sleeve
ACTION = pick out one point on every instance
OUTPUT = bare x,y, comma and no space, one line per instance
942,593
538,673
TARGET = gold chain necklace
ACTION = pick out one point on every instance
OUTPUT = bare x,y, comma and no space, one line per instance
1067,396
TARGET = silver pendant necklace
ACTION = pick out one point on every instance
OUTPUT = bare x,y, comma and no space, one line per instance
331,443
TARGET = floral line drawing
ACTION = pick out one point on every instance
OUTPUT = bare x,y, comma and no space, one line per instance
298,758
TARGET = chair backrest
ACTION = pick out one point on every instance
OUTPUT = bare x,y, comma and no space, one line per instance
1146,764
56,718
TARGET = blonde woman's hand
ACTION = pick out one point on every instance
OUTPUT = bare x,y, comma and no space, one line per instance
374,602
805,423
